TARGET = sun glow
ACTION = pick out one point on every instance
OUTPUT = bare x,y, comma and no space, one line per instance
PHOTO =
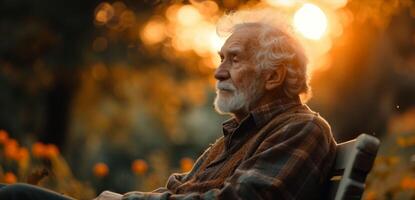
188,28
310,21
191,28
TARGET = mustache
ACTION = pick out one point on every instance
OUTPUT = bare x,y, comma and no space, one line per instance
225,86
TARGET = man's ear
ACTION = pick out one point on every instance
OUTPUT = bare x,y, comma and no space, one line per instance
275,78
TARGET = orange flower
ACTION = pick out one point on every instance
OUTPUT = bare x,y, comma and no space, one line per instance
51,151
38,150
12,142
100,170
408,183
3,136
10,178
186,164
139,167
11,149
23,153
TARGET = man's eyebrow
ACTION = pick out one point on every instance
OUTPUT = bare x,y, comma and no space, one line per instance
234,50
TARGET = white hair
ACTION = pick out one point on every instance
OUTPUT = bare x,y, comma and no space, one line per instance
278,47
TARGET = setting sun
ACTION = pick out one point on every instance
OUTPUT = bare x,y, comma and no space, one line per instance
310,21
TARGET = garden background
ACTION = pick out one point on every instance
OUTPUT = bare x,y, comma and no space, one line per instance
116,95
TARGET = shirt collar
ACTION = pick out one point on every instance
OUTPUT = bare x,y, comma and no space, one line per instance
261,115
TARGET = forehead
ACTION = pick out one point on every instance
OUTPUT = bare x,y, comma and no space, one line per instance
239,41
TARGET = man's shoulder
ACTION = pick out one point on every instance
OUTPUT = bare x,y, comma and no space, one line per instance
305,115
300,114
298,118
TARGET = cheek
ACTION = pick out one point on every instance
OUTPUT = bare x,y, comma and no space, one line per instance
242,77
236,77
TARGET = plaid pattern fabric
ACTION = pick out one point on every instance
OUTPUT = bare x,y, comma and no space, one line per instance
281,150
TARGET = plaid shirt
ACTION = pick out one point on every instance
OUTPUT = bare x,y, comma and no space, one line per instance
281,150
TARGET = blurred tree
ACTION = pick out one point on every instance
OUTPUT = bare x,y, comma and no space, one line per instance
40,57
371,75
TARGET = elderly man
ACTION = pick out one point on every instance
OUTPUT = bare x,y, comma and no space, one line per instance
273,147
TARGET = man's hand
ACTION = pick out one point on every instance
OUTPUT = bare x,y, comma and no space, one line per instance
108,195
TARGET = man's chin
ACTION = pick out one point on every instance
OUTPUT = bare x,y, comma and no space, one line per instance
222,111
222,106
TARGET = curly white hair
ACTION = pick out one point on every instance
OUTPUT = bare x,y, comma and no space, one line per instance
278,46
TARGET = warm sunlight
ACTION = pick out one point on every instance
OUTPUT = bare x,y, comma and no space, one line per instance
310,21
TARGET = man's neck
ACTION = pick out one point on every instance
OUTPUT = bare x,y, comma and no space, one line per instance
265,99
240,115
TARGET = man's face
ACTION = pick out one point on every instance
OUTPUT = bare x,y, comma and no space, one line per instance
239,83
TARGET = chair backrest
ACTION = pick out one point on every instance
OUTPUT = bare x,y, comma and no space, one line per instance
354,160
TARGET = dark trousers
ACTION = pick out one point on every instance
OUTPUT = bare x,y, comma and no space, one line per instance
22,191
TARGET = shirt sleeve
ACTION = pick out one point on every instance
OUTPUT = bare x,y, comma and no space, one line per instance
176,179
291,163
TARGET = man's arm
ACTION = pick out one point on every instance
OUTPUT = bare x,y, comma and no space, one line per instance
173,181
108,195
290,164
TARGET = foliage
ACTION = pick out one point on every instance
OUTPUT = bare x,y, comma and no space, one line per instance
43,166
393,175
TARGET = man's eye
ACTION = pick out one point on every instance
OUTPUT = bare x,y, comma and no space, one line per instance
235,59
221,58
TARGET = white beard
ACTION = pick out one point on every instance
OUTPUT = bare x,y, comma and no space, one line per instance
236,100
231,104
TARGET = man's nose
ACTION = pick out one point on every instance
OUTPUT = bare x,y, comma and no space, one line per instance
221,74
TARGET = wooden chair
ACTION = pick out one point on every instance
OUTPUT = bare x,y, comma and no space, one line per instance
354,160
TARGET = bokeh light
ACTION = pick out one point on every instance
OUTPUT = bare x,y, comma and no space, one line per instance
153,32
103,13
310,21
281,2
188,15
186,28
